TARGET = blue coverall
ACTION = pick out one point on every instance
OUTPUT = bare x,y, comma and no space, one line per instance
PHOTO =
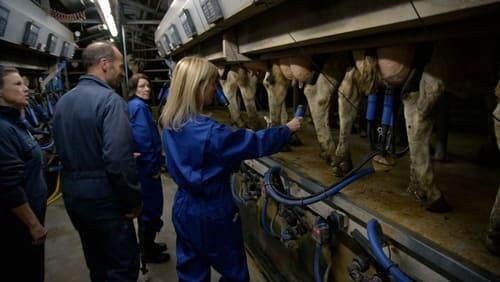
147,142
21,181
93,137
201,157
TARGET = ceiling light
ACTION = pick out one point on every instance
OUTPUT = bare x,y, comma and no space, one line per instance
107,15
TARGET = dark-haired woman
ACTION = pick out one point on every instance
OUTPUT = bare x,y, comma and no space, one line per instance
23,192
147,148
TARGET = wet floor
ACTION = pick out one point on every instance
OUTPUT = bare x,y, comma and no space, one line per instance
64,256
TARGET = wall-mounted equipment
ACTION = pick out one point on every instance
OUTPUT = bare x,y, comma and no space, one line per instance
187,23
211,10
161,50
174,36
166,43
65,51
30,34
51,43
4,18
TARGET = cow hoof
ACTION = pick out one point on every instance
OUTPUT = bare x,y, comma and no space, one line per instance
323,155
295,141
488,157
240,123
363,133
342,168
385,160
438,206
439,157
493,245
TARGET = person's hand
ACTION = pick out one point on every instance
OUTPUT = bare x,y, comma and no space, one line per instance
136,155
38,234
295,124
135,212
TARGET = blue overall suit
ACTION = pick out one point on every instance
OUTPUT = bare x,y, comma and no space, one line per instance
21,181
147,142
93,137
201,157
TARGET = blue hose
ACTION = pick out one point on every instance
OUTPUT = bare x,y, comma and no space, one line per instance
263,219
287,200
236,197
317,257
373,230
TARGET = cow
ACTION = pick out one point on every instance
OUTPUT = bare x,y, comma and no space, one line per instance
493,237
320,78
451,68
237,77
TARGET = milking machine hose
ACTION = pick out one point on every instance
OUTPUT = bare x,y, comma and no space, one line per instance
263,220
236,197
373,230
304,201
317,257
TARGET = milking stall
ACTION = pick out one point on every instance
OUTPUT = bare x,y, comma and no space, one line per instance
393,175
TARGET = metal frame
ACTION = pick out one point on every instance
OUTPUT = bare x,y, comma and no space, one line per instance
422,250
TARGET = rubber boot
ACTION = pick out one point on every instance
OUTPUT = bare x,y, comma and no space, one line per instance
159,247
150,252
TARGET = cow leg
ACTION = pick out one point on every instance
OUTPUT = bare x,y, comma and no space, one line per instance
284,114
276,86
230,89
417,107
247,83
349,98
318,97
441,124
493,238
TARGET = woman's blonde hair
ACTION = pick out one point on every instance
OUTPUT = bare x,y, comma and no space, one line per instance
190,79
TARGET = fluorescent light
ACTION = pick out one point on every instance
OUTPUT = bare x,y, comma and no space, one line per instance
107,14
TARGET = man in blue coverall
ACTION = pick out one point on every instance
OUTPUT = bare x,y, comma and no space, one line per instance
93,137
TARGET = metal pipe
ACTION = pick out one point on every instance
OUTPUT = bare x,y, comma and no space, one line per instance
125,64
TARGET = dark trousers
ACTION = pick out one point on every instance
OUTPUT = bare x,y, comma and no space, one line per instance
108,239
19,259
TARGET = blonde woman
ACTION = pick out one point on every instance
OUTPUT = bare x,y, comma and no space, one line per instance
201,156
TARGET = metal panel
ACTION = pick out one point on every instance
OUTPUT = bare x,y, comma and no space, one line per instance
231,9
24,11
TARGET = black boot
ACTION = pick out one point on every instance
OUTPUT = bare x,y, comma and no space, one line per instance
159,247
150,252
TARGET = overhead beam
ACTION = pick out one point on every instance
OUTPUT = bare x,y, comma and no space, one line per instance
88,21
142,7
137,22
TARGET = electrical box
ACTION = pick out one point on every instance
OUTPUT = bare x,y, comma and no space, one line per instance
211,10
161,50
187,23
66,50
4,18
51,43
30,34
174,36
166,43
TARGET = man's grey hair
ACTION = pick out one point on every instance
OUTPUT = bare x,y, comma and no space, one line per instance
96,51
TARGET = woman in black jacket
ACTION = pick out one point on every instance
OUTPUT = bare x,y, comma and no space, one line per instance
23,192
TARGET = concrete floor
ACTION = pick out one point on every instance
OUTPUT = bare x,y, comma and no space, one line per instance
64,256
